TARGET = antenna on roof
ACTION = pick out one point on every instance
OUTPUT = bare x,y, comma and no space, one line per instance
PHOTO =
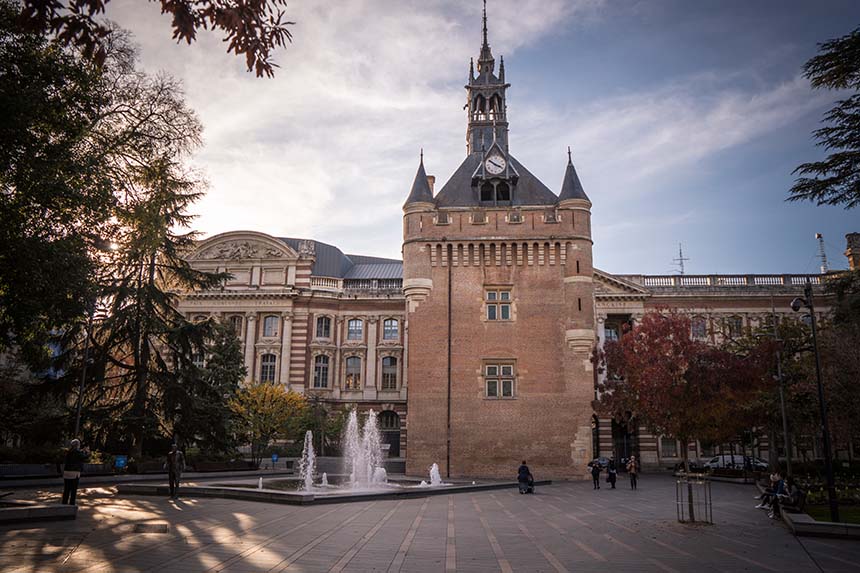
681,258
822,254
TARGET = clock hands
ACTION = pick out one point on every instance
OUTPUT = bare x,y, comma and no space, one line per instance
492,162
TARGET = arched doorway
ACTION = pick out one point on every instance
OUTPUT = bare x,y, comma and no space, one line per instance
625,438
389,425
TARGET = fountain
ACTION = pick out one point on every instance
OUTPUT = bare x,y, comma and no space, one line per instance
435,476
307,465
324,482
260,483
363,453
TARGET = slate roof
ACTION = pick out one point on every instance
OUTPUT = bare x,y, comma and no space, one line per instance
332,262
458,190
571,188
421,192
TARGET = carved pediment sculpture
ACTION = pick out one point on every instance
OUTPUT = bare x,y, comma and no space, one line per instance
241,250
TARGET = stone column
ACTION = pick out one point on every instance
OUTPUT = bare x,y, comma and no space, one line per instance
286,347
250,338
334,376
370,383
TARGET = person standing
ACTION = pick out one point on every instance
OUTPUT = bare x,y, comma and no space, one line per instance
175,467
525,479
595,473
612,474
74,464
632,471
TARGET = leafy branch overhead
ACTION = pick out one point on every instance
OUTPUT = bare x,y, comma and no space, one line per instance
252,28
835,180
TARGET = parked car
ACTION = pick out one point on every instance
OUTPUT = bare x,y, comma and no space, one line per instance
695,467
736,461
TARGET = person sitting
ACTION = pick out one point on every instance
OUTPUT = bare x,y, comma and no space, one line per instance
767,496
525,478
778,491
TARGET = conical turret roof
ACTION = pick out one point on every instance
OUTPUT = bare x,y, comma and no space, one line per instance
421,192
571,188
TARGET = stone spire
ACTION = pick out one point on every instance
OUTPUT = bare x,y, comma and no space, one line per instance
571,188
486,54
421,192
486,99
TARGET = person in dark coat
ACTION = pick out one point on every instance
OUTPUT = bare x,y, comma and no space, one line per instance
595,474
175,467
74,464
612,472
525,478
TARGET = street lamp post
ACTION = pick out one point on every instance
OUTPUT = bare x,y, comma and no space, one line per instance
796,305
785,437
92,312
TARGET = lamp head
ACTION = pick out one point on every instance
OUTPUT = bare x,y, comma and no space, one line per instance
797,304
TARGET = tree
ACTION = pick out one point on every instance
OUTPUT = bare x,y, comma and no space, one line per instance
53,191
675,385
195,405
266,412
836,179
253,28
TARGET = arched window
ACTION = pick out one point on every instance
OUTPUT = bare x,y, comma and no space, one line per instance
236,324
389,373
355,329
390,329
267,367
353,373
321,371
323,327
270,326
503,192
487,193
389,420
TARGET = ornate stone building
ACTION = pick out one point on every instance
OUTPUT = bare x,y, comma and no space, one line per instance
483,333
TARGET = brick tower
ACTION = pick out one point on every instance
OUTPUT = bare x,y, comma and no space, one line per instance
500,312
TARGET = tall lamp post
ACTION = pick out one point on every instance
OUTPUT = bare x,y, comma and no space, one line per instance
796,305
91,314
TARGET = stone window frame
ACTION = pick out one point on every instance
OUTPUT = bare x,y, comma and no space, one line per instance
318,322
397,358
699,319
328,366
479,218
360,330
385,331
498,301
551,217
442,218
495,373
515,217
356,386
232,323
668,440
275,320
264,367
733,329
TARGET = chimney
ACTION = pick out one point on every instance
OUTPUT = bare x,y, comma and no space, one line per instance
431,181
853,250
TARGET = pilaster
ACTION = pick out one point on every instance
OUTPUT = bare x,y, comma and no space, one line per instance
250,339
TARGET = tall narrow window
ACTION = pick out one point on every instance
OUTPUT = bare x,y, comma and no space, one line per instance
699,328
353,373
499,380
267,368
270,326
498,304
390,329
323,327
389,373
321,371
734,326
354,329
236,324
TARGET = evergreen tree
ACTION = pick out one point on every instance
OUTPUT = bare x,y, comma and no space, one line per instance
836,179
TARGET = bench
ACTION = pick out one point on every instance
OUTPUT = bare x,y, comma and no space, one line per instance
793,503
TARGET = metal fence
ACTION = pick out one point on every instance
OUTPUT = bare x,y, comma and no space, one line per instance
693,499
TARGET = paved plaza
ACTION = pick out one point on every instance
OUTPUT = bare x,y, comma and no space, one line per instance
564,527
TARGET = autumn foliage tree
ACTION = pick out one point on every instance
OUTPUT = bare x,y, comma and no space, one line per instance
676,385
265,412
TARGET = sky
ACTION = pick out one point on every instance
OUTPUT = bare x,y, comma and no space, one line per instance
686,120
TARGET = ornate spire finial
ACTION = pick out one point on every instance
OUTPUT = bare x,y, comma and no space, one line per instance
471,69
422,155
569,158
485,23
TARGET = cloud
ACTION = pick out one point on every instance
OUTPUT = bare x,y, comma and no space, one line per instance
329,148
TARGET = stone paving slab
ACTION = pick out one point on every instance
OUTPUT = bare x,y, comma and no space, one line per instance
563,527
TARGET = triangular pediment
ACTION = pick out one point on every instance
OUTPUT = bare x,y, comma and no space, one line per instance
607,285
240,245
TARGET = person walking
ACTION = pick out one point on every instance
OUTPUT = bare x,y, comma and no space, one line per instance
74,464
632,471
525,478
612,474
595,474
175,467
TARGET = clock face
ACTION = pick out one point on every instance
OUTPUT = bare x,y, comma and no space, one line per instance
495,164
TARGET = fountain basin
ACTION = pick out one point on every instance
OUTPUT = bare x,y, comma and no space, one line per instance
236,490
